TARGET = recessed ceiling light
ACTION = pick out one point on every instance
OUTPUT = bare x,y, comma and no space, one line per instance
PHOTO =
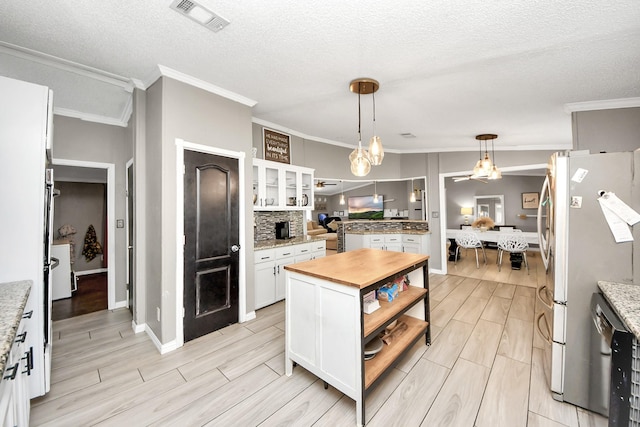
200,14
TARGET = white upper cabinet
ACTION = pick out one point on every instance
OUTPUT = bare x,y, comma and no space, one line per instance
278,186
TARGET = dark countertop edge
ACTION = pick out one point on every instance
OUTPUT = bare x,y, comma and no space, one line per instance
13,299
275,243
625,300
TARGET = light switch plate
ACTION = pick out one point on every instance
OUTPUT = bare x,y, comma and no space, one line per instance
120,223
435,214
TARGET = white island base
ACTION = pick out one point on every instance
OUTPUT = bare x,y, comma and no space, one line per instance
326,329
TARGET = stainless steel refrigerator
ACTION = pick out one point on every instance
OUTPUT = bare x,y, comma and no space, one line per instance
578,249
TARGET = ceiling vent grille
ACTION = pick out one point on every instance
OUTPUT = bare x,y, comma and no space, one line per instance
200,14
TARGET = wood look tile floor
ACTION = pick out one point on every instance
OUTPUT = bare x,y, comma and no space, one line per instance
483,368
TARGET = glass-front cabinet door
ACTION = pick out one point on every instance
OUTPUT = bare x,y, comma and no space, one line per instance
267,179
281,187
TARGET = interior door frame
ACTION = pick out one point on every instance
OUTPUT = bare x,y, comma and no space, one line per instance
443,205
111,222
182,145
127,232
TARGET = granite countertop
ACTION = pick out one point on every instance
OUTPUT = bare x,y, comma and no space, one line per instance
13,298
269,244
625,300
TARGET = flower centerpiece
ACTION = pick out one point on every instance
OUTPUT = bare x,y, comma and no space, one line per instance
483,223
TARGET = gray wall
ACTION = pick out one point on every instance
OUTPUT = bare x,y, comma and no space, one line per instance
462,193
194,115
75,139
607,130
81,204
151,220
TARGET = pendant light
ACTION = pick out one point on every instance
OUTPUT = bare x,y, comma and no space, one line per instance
485,167
412,196
376,151
375,192
342,194
359,158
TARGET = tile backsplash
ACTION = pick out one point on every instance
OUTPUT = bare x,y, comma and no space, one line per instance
265,224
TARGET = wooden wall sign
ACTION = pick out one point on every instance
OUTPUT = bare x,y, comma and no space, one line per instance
277,146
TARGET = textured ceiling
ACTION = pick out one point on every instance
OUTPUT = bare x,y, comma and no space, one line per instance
448,70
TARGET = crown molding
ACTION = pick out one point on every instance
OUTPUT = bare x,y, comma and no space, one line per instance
94,117
279,128
65,65
162,71
607,104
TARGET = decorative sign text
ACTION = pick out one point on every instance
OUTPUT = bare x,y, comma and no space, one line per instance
277,146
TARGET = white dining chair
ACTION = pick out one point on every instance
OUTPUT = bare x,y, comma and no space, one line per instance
470,241
514,243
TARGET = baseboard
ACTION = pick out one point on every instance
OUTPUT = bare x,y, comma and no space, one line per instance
162,348
249,316
138,328
95,271
120,304
434,271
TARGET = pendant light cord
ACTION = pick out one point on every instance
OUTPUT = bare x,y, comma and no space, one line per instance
359,117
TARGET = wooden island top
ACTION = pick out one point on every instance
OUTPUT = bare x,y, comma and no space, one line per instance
359,268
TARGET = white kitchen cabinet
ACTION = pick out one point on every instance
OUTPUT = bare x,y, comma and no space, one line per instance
267,185
265,277
278,186
416,243
269,268
318,249
412,243
14,386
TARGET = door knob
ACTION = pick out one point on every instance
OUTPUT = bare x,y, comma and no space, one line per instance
235,248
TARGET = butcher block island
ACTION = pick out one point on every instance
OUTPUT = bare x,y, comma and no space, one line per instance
328,331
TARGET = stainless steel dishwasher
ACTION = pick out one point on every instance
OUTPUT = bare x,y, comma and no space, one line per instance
610,367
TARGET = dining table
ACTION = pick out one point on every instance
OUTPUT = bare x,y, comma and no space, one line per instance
492,235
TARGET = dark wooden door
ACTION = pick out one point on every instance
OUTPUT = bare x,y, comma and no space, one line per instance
211,254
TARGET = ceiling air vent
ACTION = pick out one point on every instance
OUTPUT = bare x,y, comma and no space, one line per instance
200,14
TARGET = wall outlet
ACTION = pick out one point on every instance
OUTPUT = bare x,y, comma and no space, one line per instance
158,313
120,223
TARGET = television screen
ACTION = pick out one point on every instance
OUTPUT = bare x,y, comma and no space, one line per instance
363,207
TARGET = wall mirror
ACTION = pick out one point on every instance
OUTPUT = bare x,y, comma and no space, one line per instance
491,206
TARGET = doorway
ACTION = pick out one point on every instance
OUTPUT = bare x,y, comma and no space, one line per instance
94,172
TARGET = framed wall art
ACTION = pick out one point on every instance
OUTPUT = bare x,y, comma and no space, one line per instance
530,200
277,146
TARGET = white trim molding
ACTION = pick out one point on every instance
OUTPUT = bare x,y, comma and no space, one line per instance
111,218
162,348
126,113
195,82
607,104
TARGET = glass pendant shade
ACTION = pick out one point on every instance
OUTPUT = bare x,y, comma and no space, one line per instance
342,199
376,152
360,166
412,197
477,169
487,166
495,173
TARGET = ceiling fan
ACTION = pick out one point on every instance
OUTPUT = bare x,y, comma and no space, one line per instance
467,178
321,184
